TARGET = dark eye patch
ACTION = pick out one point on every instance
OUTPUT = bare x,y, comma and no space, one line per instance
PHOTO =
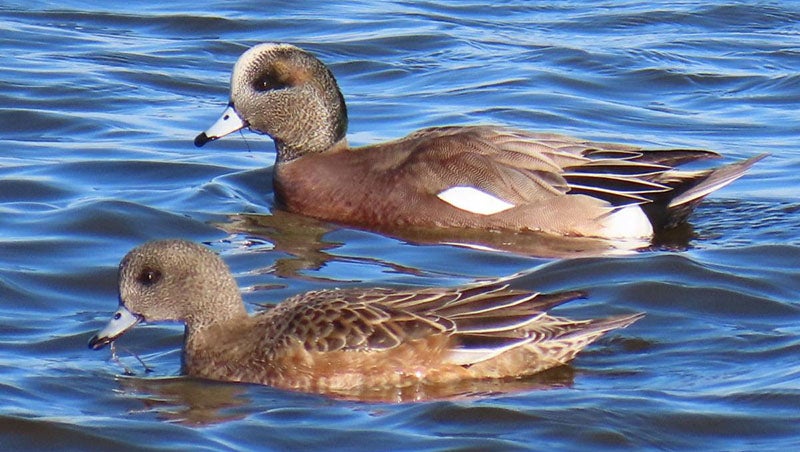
149,276
268,82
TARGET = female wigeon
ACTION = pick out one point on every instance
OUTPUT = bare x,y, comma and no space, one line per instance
349,340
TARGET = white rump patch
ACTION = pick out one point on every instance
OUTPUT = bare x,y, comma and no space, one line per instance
627,222
474,200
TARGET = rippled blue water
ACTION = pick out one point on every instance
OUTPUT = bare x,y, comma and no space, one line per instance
100,101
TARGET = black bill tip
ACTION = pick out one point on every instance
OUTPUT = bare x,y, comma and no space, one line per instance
202,139
96,342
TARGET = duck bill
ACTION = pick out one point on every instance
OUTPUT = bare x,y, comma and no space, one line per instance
120,322
229,122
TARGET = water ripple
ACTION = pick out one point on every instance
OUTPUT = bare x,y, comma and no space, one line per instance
100,104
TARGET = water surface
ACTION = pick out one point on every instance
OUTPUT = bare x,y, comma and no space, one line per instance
99,105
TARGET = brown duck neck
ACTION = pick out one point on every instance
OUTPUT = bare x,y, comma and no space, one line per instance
203,344
287,153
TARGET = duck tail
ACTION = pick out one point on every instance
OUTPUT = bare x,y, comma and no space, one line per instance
585,332
688,189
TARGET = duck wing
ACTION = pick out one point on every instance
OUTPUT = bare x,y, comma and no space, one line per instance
517,168
525,168
382,319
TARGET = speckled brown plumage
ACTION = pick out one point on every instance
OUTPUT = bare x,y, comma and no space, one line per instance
346,340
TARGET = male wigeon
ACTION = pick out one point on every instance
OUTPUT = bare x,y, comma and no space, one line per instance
476,177
348,340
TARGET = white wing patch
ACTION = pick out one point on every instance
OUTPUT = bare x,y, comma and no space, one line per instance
474,200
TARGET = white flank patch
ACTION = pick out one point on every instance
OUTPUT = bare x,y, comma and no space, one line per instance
474,200
627,222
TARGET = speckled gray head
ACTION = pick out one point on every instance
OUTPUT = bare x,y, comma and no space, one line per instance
286,93
171,280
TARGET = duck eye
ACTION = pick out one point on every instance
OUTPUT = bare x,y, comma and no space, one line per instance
267,82
148,277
